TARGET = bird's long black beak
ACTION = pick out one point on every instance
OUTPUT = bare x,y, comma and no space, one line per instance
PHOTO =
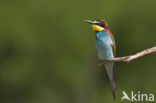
90,22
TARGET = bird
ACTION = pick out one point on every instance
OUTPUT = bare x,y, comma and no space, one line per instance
105,47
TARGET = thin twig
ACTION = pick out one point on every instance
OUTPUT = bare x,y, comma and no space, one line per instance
130,58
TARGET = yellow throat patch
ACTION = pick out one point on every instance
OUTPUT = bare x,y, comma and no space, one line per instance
97,28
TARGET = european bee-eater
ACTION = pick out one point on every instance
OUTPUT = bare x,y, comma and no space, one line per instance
106,48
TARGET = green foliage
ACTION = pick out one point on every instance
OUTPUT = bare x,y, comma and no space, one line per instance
47,52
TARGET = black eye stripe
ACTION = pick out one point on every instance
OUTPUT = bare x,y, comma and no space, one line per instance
97,23
102,25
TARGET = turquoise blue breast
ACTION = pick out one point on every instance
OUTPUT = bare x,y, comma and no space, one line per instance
104,45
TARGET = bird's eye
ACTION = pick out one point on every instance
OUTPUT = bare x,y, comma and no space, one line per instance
102,25
97,23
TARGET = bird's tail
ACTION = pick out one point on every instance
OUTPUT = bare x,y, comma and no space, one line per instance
109,69
112,86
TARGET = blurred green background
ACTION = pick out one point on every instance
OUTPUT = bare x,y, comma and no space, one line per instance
47,51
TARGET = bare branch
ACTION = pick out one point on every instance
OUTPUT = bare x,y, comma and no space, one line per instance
130,58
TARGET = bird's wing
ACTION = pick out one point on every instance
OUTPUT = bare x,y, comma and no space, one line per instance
112,37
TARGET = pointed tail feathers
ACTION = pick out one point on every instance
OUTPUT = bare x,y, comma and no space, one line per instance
112,86
109,70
